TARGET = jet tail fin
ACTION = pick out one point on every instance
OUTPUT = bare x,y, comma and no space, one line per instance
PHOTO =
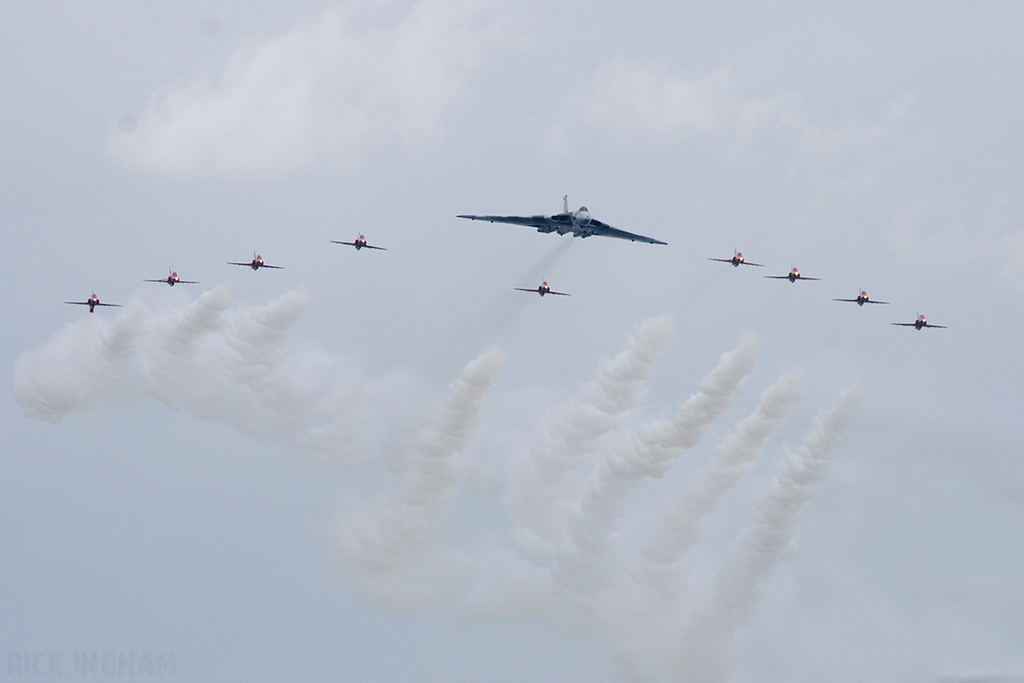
565,204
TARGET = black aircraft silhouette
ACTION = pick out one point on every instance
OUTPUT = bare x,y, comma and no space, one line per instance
256,263
793,276
359,243
919,323
92,302
173,279
542,290
736,260
579,222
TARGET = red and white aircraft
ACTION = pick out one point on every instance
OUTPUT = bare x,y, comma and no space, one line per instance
92,302
542,290
919,323
736,260
359,243
862,299
173,279
793,276
256,263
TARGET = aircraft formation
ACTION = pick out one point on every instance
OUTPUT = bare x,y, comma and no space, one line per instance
794,275
578,223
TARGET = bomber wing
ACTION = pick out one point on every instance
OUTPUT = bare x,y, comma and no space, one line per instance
542,223
562,223
597,227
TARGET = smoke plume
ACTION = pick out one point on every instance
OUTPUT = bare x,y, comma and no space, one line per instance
236,366
564,554
545,482
735,596
679,525
384,541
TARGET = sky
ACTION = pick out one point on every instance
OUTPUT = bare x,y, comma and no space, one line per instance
390,465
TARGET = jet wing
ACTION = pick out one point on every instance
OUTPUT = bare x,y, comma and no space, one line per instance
596,227
365,246
235,263
856,301
742,263
537,291
542,223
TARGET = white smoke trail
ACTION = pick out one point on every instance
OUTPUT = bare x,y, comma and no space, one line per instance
241,367
576,428
545,481
679,525
655,445
650,452
736,594
381,544
233,366
541,269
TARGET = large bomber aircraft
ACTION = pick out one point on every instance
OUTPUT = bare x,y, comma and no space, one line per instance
256,263
919,323
92,302
580,223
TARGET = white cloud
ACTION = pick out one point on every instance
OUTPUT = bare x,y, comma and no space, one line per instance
352,80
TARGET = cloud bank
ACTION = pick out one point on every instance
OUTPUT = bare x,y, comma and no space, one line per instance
356,79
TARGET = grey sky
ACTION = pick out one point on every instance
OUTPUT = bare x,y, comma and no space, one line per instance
187,474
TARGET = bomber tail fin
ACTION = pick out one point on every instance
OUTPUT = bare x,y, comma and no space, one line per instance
565,204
